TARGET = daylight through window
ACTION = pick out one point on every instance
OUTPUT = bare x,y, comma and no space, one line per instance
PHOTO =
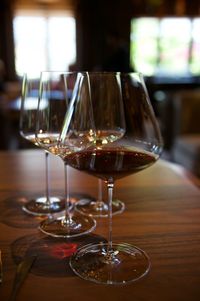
166,46
44,42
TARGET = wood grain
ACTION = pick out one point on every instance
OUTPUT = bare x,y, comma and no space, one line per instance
162,216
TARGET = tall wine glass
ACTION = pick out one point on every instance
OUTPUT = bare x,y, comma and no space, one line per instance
57,89
121,103
105,134
46,204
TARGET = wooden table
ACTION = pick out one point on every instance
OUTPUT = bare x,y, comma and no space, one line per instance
162,216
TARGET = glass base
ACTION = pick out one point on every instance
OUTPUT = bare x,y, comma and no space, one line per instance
98,208
123,265
40,207
77,225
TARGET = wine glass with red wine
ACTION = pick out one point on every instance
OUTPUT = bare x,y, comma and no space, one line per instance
125,140
57,91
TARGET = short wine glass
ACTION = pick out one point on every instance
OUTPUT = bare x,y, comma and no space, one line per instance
98,207
127,114
57,90
43,205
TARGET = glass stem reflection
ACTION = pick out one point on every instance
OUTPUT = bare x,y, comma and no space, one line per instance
48,202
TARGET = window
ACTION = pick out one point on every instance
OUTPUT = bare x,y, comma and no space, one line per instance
166,46
43,42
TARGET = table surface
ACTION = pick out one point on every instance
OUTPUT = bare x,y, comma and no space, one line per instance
162,217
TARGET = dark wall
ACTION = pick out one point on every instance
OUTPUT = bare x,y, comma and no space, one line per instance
7,39
96,22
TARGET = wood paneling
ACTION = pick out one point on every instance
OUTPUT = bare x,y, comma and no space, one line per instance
7,39
48,4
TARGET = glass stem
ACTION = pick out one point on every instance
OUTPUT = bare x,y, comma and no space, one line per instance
48,202
100,196
68,219
100,203
110,186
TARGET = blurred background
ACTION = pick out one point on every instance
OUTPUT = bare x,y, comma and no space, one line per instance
160,38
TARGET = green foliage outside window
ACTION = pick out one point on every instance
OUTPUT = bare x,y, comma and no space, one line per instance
166,46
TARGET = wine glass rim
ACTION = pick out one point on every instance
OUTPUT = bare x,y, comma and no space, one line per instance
91,72
60,71
113,72
140,74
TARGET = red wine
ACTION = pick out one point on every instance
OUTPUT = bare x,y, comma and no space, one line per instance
110,163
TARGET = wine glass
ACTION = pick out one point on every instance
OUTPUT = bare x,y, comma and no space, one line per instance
47,204
98,207
57,90
130,143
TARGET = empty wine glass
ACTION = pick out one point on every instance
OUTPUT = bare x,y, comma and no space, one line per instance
57,89
46,204
99,208
126,139
104,134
